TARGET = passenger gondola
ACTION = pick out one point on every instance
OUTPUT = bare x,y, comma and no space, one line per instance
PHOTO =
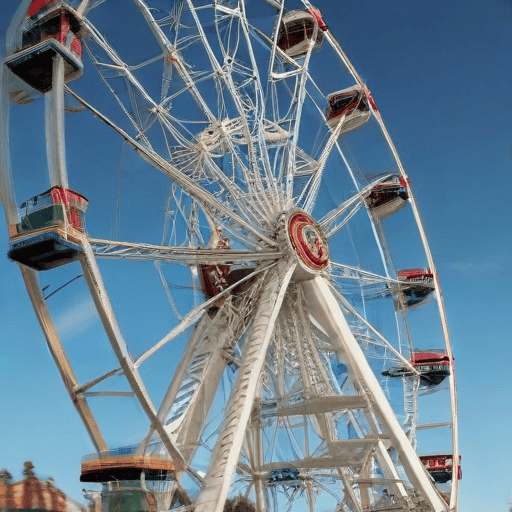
433,367
52,28
50,231
416,285
440,467
387,197
349,106
298,29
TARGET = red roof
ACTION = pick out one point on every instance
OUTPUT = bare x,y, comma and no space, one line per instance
38,5
429,357
415,273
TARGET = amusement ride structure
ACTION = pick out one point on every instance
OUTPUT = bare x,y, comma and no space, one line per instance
248,316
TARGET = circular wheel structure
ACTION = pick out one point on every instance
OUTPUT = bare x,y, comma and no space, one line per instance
248,316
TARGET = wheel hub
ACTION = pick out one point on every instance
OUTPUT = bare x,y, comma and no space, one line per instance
308,244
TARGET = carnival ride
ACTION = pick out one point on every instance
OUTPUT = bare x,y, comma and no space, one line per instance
229,320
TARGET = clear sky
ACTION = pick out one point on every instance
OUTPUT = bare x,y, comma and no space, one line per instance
440,73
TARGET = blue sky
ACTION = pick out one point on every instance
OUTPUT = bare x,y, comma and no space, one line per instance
440,73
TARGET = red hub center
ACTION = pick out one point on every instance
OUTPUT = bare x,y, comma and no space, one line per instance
307,241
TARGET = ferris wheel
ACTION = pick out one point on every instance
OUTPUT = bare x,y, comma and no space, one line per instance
248,317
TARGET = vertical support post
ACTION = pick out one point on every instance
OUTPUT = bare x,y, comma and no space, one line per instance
257,448
54,126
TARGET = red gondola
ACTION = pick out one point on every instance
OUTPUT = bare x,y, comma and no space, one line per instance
297,29
216,278
418,284
440,467
52,28
433,366
387,197
50,231
213,279
349,104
